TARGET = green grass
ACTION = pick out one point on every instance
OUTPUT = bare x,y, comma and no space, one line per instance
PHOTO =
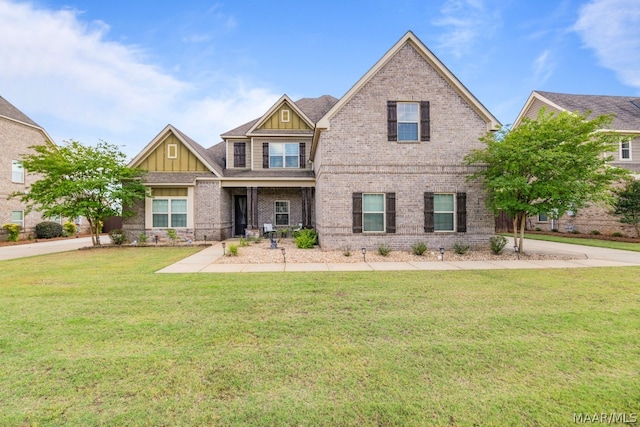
95,338
610,244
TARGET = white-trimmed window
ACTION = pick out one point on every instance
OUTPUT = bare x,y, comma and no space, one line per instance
282,155
172,151
285,116
408,120
17,172
282,212
444,212
17,217
170,212
625,150
373,219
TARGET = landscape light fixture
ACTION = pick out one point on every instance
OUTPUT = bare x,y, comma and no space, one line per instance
284,255
156,238
205,240
223,248
516,249
364,254
441,253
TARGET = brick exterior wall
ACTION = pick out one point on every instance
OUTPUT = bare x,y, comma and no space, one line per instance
15,138
355,156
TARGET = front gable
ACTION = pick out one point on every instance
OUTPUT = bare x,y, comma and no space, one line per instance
284,117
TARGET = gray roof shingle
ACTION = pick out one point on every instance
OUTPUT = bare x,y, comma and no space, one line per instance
8,110
625,108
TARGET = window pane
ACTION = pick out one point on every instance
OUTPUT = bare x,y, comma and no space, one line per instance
178,206
292,161
160,206
443,221
291,149
407,112
160,220
407,131
282,219
17,171
443,202
282,207
276,149
275,162
17,217
178,220
373,222
373,202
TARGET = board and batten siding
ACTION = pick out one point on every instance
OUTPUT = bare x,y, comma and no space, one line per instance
159,161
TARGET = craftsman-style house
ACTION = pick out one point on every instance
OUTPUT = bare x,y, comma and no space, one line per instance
17,133
626,123
381,165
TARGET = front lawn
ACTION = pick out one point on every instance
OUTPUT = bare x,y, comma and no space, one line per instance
95,338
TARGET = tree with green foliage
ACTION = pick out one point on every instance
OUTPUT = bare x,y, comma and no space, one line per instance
627,205
552,164
76,180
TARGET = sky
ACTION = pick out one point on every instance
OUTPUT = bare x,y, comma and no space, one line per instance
121,70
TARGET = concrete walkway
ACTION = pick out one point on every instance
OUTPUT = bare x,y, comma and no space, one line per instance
584,256
44,247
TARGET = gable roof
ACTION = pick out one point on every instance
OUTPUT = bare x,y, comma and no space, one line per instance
410,38
9,111
199,151
310,109
625,108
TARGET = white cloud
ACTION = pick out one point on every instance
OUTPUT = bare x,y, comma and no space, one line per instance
465,21
70,78
543,68
612,29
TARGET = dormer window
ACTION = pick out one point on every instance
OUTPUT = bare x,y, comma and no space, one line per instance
285,116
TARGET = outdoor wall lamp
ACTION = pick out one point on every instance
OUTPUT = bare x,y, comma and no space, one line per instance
364,254
441,253
223,248
284,255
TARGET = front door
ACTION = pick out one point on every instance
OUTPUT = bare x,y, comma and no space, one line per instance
240,203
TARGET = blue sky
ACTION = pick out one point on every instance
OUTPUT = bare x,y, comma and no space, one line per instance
120,71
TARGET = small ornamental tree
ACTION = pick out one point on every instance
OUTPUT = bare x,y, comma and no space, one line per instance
552,164
82,181
627,205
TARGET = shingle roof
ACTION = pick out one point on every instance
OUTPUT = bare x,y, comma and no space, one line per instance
313,108
625,108
11,112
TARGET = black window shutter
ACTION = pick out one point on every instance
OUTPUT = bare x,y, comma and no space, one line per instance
425,121
303,152
392,121
357,212
391,212
265,155
428,213
239,155
461,208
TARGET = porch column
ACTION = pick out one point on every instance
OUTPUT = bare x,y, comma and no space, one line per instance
307,203
252,208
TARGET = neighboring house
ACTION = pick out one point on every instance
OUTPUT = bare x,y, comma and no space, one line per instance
17,133
382,165
626,123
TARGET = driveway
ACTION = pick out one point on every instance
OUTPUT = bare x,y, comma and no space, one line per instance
45,247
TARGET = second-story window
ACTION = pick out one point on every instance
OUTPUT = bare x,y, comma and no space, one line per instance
408,121
17,172
284,155
625,150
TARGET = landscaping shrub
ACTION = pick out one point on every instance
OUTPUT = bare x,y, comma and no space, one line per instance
233,250
142,238
243,242
48,230
617,234
419,248
306,238
13,232
117,237
384,250
497,244
172,235
594,232
347,251
69,228
460,248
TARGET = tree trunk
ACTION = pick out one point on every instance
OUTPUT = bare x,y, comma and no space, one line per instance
523,222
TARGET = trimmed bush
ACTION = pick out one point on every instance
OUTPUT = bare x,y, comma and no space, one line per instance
497,244
384,250
306,238
419,248
460,248
13,231
48,230
594,232
617,234
118,237
69,228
